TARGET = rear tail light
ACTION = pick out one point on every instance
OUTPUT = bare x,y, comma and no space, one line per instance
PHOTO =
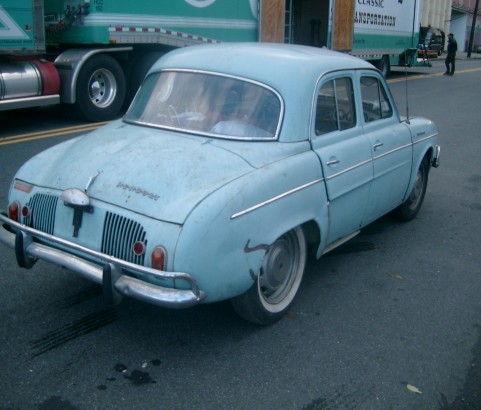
14,211
159,257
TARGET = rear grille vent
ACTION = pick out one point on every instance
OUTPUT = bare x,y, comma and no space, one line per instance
119,236
42,212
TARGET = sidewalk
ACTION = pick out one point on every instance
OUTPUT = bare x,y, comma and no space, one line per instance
463,56
459,57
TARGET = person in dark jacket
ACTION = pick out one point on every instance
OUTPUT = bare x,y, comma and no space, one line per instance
451,57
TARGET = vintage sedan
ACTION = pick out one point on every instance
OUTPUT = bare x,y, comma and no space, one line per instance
232,163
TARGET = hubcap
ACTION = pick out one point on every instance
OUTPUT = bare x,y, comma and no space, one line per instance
279,269
102,88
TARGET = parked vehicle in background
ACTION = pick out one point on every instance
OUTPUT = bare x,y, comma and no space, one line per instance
92,55
222,176
431,41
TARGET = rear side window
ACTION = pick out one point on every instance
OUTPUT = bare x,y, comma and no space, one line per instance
335,110
375,104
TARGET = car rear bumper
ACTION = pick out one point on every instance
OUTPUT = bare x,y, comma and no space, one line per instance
110,271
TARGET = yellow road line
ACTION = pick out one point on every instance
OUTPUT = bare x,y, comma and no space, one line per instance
31,136
424,76
15,139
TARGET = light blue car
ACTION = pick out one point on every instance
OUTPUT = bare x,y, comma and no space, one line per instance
233,162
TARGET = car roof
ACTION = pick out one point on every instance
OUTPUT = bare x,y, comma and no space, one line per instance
292,70
263,61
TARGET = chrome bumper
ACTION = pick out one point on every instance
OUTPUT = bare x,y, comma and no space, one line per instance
436,155
109,272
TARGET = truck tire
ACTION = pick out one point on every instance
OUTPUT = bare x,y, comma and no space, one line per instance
384,66
100,89
136,71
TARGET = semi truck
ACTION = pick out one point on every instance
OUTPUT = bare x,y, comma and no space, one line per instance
91,55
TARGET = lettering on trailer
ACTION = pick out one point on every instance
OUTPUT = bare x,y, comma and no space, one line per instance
375,19
373,3
382,13
9,28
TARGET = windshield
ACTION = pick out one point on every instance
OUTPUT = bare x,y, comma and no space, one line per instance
209,104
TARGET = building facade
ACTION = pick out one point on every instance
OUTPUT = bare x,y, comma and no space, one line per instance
453,16
462,12
437,14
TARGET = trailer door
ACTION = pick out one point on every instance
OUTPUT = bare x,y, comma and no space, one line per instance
342,24
271,21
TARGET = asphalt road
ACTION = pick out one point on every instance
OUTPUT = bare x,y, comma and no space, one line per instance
391,320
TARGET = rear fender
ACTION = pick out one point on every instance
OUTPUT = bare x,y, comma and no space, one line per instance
225,238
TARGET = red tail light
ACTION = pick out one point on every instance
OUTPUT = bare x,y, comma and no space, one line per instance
158,257
14,211
25,211
138,248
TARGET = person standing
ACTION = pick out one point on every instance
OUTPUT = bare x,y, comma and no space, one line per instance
451,57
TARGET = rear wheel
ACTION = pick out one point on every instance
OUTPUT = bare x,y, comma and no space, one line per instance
100,89
278,281
410,208
384,66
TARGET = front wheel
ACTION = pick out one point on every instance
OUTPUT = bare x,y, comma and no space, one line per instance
410,208
100,89
277,284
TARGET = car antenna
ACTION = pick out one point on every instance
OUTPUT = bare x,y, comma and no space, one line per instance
407,99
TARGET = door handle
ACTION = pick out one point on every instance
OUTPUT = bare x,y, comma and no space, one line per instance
333,162
377,145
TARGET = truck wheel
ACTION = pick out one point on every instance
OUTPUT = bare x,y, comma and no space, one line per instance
136,71
410,208
271,296
100,89
384,66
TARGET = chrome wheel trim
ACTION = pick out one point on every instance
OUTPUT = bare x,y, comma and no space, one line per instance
282,271
102,88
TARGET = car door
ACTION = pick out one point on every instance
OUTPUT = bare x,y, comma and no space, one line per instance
391,145
344,153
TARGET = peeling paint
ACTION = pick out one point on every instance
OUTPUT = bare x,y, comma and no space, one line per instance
248,249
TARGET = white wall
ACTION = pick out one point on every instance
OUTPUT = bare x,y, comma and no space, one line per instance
458,25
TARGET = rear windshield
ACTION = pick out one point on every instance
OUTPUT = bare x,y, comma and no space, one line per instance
207,104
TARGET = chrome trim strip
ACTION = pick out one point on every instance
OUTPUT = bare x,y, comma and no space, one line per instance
26,102
426,138
348,169
393,150
276,198
339,242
